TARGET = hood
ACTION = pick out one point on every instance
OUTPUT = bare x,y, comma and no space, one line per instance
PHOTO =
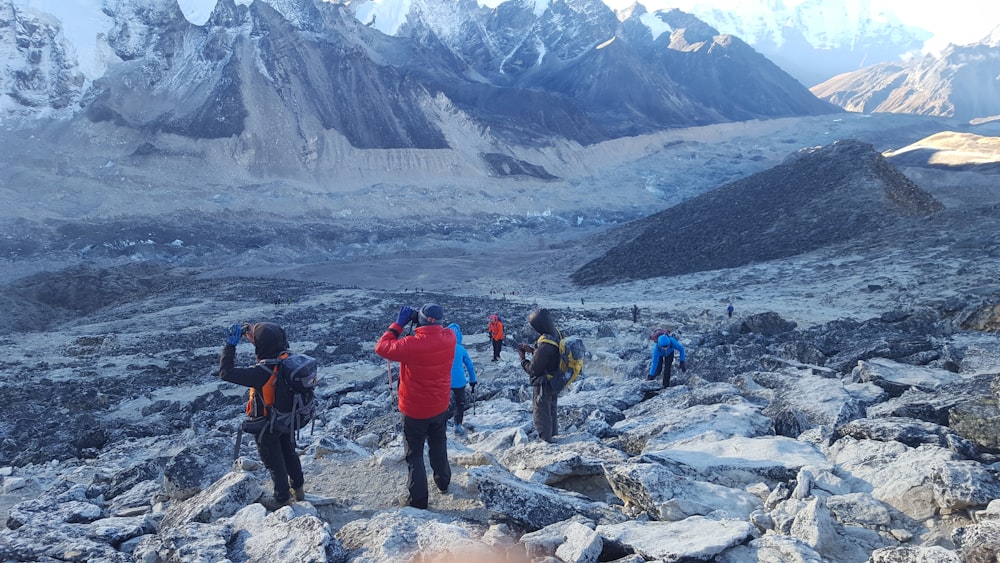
663,341
458,332
268,339
541,321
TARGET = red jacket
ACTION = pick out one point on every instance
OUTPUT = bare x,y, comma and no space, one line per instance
425,367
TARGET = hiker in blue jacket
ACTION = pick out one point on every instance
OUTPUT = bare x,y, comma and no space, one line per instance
663,358
462,372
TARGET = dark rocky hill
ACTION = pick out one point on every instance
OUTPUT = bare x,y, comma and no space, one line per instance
819,197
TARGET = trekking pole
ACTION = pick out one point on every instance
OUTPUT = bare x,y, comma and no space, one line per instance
388,366
239,441
473,401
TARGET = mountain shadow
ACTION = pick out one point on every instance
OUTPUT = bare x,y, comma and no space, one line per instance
819,197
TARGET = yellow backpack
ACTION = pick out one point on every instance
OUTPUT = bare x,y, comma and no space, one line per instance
571,354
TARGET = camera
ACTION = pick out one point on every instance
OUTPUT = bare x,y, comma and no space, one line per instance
414,317
245,328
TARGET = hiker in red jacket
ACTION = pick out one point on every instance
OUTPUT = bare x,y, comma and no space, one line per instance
425,359
495,328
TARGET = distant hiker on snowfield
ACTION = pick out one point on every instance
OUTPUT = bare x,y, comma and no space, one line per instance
495,328
462,372
635,313
663,357
276,448
544,362
425,360
729,310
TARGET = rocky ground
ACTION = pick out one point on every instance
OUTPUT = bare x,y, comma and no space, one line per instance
846,412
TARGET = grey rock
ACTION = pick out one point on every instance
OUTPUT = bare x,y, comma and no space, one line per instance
908,431
912,554
221,499
191,470
979,543
664,495
534,506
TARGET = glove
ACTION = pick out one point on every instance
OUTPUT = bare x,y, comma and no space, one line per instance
684,366
472,384
233,334
405,312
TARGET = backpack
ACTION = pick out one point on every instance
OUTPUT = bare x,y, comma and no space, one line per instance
291,374
657,332
571,354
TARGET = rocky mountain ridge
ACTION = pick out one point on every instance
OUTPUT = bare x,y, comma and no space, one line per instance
959,83
311,69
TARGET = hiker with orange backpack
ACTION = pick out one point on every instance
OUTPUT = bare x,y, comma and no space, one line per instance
495,328
275,445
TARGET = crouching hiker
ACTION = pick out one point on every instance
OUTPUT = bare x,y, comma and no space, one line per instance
425,359
663,357
462,372
274,443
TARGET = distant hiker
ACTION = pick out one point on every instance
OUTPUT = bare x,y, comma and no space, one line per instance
425,359
276,447
462,372
544,362
635,313
495,328
729,310
663,357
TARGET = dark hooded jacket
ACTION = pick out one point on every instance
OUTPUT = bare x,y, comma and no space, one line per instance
545,360
269,342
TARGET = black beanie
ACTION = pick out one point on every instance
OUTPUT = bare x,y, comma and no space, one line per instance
430,314
268,339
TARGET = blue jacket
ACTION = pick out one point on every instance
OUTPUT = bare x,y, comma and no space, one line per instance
462,363
665,346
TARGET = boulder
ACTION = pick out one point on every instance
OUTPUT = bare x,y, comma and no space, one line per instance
194,468
740,461
908,431
399,535
979,543
220,500
665,495
292,533
693,539
533,505
541,462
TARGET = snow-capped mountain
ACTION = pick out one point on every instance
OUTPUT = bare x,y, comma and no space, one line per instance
814,40
961,82
304,68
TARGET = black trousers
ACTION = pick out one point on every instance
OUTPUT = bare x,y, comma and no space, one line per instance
543,411
665,367
497,344
277,452
434,431
459,402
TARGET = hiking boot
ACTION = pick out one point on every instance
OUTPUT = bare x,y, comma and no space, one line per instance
459,430
273,504
298,494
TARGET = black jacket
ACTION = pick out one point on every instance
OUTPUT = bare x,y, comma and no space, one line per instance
255,376
545,360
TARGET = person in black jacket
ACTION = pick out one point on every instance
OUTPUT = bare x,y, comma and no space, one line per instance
544,362
276,448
